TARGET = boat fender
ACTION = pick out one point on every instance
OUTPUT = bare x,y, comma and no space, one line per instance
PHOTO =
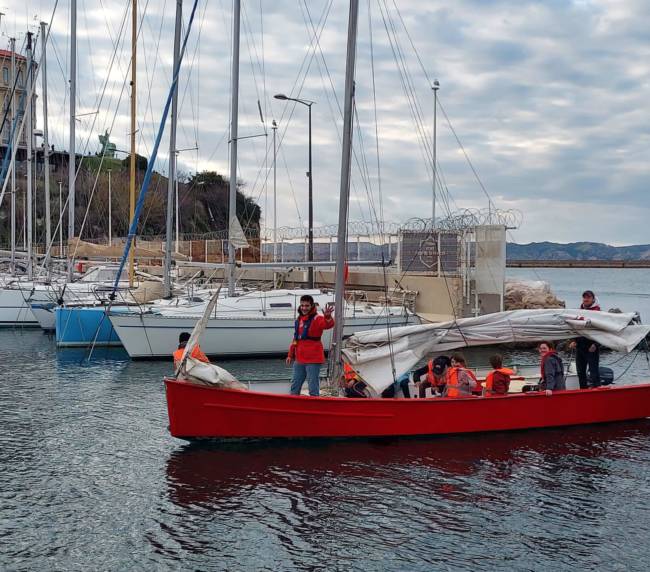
606,375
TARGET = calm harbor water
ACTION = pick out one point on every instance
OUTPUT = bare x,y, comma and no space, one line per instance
91,480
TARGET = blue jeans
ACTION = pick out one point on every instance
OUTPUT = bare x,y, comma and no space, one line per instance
302,371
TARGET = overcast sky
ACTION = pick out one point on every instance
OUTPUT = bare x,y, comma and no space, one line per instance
550,100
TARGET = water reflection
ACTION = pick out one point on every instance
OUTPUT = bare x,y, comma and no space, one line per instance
544,490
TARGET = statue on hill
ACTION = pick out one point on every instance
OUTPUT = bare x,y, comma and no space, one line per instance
108,149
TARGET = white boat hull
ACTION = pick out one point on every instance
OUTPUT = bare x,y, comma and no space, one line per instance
156,336
14,309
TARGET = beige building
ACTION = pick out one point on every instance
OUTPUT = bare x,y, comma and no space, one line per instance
6,85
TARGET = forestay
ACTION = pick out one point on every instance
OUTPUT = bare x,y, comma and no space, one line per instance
371,352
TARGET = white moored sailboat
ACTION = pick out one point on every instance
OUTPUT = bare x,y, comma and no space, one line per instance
252,324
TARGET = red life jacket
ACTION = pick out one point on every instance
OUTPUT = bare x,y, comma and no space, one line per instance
497,382
595,307
454,387
348,372
306,346
431,377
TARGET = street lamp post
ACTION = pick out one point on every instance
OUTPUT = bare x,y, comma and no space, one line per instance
310,254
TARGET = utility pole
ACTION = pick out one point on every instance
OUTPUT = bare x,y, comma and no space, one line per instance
275,196
435,88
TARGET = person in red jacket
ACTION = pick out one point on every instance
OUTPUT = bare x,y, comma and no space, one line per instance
306,349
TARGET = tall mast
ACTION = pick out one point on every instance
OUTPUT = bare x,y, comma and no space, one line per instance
435,88
13,167
134,40
167,287
234,111
46,141
344,196
72,167
30,151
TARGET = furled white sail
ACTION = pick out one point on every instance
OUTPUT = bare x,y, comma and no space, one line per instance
374,354
236,234
201,372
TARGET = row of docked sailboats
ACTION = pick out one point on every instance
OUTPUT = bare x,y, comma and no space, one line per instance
101,308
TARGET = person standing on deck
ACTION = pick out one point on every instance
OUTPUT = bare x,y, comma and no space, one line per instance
587,351
306,349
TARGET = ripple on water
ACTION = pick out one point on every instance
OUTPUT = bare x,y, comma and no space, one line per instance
90,479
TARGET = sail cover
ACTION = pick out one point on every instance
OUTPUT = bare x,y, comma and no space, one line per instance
377,354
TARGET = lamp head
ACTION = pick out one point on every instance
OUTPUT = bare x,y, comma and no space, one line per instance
280,96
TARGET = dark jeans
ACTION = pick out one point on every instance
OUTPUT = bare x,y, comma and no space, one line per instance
587,364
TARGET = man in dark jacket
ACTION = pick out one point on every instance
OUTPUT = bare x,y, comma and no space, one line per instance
552,368
587,351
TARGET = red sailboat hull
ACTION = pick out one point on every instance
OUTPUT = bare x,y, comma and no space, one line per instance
197,411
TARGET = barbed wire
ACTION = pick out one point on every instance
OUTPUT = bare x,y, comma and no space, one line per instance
462,220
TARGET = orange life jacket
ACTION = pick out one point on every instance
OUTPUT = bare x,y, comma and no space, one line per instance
454,387
197,354
502,385
348,372
430,377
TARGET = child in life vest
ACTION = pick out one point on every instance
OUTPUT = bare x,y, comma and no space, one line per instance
461,382
497,382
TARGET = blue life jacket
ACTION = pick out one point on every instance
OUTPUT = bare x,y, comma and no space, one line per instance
305,329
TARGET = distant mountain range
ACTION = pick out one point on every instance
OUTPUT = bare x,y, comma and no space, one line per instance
576,251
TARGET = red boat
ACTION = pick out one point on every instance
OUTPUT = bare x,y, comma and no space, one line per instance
199,411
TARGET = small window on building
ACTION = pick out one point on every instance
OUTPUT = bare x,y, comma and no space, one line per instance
5,75
20,77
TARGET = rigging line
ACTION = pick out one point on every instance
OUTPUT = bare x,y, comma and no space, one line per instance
418,127
98,105
407,71
469,162
117,107
374,104
307,58
187,87
364,166
415,50
417,108
148,107
250,40
34,74
147,178
141,119
331,83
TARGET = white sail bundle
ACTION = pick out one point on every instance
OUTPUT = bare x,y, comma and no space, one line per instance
376,354
201,372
